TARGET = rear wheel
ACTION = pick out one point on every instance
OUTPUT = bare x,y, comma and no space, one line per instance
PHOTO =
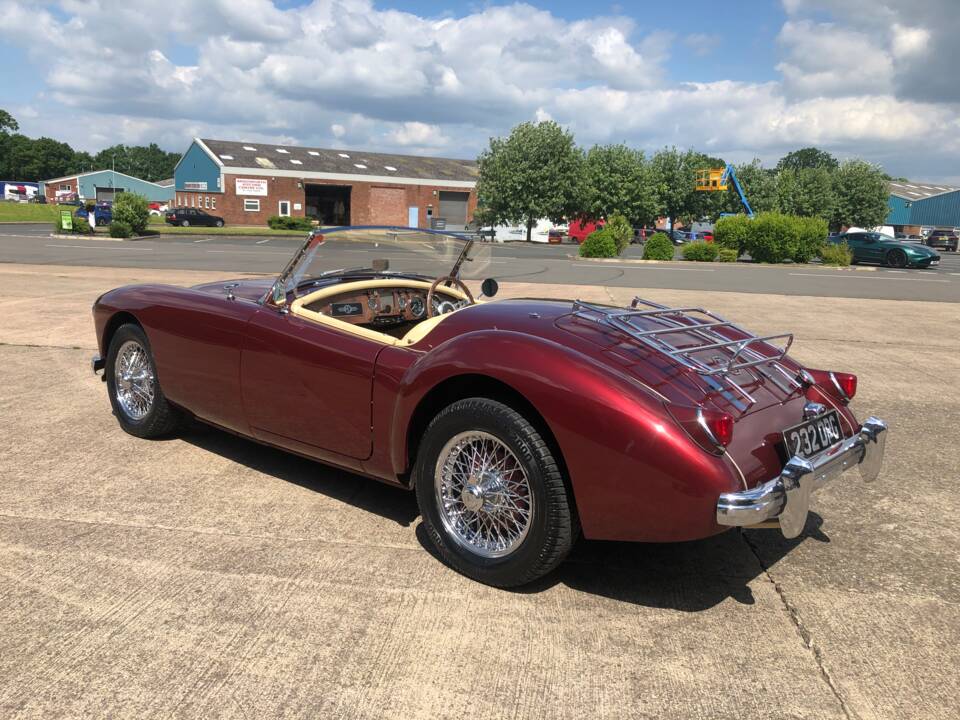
219,223
492,497
897,259
136,397
184,223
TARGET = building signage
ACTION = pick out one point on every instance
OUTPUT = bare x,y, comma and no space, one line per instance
195,185
247,186
66,220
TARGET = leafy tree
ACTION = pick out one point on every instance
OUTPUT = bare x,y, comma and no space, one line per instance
146,162
7,122
810,157
131,209
807,192
26,159
620,230
861,195
533,173
616,181
759,185
674,179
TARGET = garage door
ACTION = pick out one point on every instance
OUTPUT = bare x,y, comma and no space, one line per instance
105,194
388,206
453,208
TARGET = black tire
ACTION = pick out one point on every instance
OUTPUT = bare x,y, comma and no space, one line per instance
161,418
184,223
897,259
219,223
553,527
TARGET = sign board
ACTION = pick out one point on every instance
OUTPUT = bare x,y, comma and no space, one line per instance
297,206
195,185
247,186
66,220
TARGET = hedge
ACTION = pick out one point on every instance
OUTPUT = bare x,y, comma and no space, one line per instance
286,222
659,247
621,232
599,244
132,209
120,229
725,254
80,226
772,237
838,254
700,251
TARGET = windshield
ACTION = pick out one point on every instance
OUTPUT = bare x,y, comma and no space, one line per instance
383,251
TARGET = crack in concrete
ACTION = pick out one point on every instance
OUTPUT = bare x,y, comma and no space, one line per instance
794,614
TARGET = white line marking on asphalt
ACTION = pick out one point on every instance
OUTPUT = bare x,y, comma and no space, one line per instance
95,247
251,252
609,266
261,242
860,277
896,271
202,240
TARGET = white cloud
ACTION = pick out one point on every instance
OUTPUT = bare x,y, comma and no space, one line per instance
865,77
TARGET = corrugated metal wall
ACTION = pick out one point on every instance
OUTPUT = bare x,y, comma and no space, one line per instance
941,210
899,212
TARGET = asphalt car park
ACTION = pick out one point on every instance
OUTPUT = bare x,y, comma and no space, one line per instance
207,575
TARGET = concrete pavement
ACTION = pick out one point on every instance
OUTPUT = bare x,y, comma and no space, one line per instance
209,576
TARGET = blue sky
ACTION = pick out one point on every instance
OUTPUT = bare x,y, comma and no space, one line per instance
866,78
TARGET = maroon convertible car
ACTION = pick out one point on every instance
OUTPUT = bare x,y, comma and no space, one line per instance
520,424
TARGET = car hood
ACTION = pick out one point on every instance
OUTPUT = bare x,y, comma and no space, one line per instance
245,288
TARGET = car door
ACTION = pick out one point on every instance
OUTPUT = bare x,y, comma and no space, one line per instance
308,383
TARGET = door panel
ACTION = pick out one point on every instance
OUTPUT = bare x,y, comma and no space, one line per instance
196,339
308,383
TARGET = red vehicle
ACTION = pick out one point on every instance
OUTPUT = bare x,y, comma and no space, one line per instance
579,229
521,424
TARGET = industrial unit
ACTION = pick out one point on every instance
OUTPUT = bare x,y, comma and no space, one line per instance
247,183
915,205
102,185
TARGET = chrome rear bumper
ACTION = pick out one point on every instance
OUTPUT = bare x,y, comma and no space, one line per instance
787,497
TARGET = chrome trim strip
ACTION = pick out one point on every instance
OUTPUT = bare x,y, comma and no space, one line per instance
787,496
836,384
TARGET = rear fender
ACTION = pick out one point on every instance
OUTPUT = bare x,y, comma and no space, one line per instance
634,473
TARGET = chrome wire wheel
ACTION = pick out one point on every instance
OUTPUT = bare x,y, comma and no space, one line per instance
483,495
134,380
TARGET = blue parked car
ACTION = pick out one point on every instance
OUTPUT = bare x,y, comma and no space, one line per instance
102,214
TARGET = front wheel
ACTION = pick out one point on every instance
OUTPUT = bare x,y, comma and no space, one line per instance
492,496
219,223
136,397
897,259
184,223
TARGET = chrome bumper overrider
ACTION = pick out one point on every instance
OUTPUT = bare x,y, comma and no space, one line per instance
787,497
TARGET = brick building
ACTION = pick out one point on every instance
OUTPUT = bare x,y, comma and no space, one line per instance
246,183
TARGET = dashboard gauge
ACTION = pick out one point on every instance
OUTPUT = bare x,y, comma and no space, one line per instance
417,308
401,303
373,302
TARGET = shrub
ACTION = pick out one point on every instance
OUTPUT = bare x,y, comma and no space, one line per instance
811,236
120,229
700,251
80,226
836,254
732,232
133,210
287,222
772,238
659,247
599,244
726,254
621,232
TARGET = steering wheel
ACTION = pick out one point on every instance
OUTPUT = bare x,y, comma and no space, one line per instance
446,279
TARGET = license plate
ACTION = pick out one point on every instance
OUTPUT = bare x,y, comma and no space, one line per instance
934,262
813,436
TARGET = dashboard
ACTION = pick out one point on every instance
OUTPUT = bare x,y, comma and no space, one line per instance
385,306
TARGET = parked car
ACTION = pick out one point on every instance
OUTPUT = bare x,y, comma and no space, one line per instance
645,233
946,239
521,424
102,213
874,247
578,230
185,217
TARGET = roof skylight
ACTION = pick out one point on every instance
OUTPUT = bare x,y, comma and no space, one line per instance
391,168
281,150
250,148
313,152
360,165
295,162
343,155
226,157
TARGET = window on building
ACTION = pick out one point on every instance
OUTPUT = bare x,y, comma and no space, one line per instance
251,205
284,208
65,186
213,203
206,202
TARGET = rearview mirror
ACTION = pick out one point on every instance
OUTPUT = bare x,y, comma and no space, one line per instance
490,287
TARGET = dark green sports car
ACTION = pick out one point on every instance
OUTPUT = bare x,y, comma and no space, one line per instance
874,247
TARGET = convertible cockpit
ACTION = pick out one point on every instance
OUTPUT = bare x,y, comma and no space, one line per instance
393,308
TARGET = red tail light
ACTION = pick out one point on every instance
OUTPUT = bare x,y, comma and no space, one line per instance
712,430
840,385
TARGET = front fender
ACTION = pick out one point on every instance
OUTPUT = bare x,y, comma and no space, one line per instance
635,474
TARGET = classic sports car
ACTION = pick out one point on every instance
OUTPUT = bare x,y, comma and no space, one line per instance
519,423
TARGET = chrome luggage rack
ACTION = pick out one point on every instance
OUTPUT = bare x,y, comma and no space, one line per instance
728,357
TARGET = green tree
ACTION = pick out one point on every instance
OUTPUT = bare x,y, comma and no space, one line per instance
533,173
807,192
131,209
861,195
616,181
759,185
810,157
24,158
673,174
7,122
148,162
